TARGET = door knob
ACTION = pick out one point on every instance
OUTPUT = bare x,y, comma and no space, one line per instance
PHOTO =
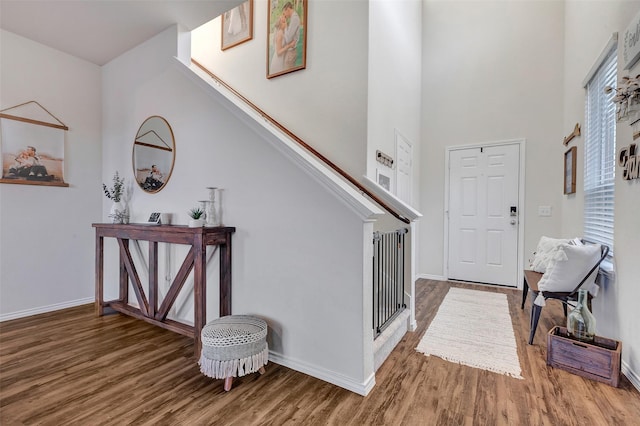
513,221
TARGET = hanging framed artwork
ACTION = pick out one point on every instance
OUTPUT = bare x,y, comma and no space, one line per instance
237,25
32,146
287,37
630,45
570,170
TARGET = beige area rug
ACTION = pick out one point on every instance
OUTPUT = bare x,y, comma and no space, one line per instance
474,328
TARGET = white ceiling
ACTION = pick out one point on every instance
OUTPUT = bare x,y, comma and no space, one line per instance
100,30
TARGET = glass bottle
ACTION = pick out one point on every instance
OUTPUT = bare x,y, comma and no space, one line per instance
581,324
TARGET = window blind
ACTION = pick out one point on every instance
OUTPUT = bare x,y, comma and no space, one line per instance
600,153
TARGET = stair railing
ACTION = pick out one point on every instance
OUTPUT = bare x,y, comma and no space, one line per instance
388,278
302,143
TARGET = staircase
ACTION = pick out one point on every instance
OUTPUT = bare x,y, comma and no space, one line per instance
365,198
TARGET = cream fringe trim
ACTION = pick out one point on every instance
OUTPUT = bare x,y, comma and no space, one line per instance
234,368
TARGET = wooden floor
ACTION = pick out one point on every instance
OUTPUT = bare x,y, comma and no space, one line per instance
71,368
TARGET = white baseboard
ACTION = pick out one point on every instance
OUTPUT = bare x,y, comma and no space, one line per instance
413,325
44,309
432,277
328,376
633,377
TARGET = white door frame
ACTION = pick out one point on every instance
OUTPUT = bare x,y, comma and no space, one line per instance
521,215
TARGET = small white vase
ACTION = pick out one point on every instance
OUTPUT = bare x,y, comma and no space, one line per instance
117,212
196,223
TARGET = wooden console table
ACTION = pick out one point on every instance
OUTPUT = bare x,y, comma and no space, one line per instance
198,239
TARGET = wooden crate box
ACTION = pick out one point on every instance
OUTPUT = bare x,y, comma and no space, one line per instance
598,360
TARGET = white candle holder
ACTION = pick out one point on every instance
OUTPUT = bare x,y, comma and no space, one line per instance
212,217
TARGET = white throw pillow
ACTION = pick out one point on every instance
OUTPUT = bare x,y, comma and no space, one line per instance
546,250
570,266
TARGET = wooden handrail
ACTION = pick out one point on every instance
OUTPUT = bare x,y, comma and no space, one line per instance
302,143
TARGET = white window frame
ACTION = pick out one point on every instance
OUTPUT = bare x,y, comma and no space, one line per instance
599,149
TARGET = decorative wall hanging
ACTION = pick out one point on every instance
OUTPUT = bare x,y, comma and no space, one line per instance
629,160
631,43
237,25
570,170
575,133
627,97
32,146
153,154
287,35
635,129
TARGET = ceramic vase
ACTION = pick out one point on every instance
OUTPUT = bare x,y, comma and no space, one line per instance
117,212
196,223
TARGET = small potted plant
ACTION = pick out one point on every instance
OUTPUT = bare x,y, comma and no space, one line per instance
118,212
197,217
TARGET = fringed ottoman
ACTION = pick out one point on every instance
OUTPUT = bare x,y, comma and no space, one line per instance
233,346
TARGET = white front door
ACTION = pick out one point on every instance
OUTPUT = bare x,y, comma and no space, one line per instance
483,214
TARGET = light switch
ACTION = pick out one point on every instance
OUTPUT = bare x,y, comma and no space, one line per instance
544,210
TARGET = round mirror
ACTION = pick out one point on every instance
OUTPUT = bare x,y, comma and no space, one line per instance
153,154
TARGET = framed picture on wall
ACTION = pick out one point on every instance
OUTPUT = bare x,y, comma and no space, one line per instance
237,25
32,150
570,171
287,37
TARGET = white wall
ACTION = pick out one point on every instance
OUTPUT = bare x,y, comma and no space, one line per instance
46,247
492,71
298,252
324,104
394,94
589,26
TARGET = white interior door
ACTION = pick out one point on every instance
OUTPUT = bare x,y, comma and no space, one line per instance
483,214
404,168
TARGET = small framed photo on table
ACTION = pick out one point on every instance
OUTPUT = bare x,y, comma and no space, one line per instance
570,170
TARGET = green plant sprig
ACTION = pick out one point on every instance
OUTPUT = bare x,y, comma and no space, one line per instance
196,213
115,192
